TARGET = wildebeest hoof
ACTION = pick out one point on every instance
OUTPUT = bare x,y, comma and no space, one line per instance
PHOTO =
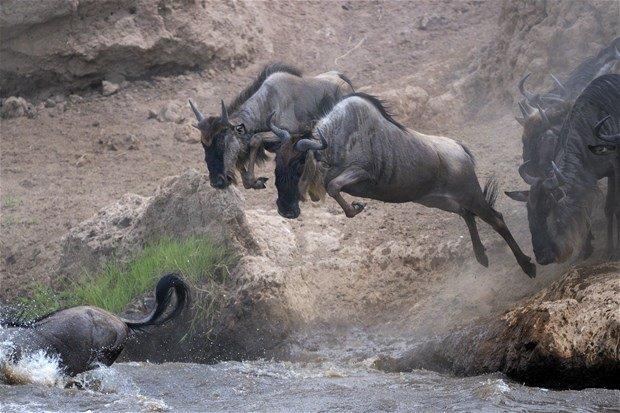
357,208
482,259
260,183
529,268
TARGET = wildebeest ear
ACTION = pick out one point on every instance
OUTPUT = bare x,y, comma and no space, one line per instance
521,196
602,149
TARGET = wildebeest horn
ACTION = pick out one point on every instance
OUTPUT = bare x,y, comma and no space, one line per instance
304,145
558,174
224,116
284,135
543,116
559,84
529,179
525,110
199,115
603,137
531,97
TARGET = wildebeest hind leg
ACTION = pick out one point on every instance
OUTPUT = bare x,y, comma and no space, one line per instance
479,250
495,220
349,176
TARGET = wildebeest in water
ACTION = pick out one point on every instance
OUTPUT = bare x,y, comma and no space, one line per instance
560,204
233,140
84,337
366,153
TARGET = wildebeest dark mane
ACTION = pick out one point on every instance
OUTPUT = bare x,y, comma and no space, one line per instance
380,106
267,71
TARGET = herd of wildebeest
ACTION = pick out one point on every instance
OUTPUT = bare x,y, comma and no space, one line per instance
327,138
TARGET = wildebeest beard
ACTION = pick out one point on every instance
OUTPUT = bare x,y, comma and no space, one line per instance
559,226
288,174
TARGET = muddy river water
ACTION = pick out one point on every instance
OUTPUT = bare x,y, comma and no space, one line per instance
286,386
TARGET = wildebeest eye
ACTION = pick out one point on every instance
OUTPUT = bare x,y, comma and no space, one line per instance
240,128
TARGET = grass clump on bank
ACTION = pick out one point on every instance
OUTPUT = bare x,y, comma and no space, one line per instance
197,259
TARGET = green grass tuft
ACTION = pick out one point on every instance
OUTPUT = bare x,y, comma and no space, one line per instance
11,201
198,260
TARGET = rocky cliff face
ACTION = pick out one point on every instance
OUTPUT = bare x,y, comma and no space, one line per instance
566,336
74,44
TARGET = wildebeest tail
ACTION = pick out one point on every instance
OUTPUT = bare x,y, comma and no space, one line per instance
163,295
491,191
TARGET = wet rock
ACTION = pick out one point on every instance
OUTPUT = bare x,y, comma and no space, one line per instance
109,88
50,103
15,107
119,141
566,336
187,134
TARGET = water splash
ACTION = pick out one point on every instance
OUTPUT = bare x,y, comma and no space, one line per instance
36,368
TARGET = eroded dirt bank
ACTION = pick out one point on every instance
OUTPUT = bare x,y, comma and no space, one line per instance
379,283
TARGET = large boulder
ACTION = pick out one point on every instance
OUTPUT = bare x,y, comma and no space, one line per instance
183,205
566,336
76,44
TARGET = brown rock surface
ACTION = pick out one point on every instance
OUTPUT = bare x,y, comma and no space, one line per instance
77,43
565,336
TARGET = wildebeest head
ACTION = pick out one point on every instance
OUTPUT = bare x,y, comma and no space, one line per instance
222,141
558,223
290,164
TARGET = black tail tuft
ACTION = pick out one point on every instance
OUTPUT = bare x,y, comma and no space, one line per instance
491,191
163,294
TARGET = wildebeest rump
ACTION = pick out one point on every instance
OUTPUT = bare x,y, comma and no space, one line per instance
233,140
84,337
560,204
366,153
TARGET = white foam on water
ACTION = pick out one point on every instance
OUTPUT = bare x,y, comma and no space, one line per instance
104,379
36,368
492,388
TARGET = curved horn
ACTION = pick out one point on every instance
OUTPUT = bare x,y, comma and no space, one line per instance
283,134
553,98
526,110
529,179
198,114
559,84
543,116
531,97
304,145
558,174
224,116
603,137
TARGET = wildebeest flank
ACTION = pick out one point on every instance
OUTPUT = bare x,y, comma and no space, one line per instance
366,153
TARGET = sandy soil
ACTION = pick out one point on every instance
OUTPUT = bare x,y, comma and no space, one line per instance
55,172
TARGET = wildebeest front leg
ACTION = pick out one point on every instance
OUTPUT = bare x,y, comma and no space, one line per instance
249,181
479,249
348,177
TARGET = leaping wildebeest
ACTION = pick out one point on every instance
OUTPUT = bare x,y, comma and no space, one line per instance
84,337
234,140
366,153
559,204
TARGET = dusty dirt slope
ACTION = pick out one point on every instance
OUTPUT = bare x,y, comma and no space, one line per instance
398,266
